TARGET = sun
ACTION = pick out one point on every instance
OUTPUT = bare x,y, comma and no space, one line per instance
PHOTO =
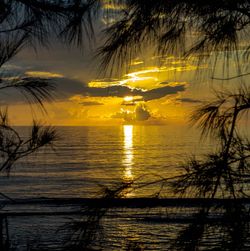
128,98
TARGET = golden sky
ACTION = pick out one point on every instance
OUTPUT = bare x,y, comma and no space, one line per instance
85,100
152,89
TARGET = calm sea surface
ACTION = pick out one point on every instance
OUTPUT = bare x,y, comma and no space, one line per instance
86,158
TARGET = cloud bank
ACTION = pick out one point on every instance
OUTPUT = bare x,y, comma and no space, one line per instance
140,113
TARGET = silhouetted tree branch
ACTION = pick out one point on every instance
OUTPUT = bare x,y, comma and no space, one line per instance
224,172
185,28
70,20
23,23
231,78
13,147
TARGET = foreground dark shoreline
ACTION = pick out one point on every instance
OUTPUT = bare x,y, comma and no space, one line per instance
127,202
86,223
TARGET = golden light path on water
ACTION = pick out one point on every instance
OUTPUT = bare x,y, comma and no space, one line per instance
128,153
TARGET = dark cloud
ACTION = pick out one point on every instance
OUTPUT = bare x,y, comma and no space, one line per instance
71,87
189,100
67,88
141,113
111,91
90,103
162,92
121,91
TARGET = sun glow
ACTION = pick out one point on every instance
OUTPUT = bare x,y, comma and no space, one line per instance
128,98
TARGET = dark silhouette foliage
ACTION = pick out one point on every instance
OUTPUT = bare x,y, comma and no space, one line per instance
226,171
176,27
13,147
34,23
31,23
184,28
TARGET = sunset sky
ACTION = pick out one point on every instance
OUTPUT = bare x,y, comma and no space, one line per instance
168,87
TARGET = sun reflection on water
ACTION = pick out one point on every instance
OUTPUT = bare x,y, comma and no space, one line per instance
128,152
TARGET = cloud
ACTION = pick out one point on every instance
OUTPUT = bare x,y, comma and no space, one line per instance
108,5
162,92
122,91
69,87
189,100
66,88
72,87
90,103
140,113
43,74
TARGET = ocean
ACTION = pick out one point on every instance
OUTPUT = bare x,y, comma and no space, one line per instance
85,159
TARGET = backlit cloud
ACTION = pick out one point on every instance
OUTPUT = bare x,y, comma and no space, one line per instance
43,74
140,113
122,91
